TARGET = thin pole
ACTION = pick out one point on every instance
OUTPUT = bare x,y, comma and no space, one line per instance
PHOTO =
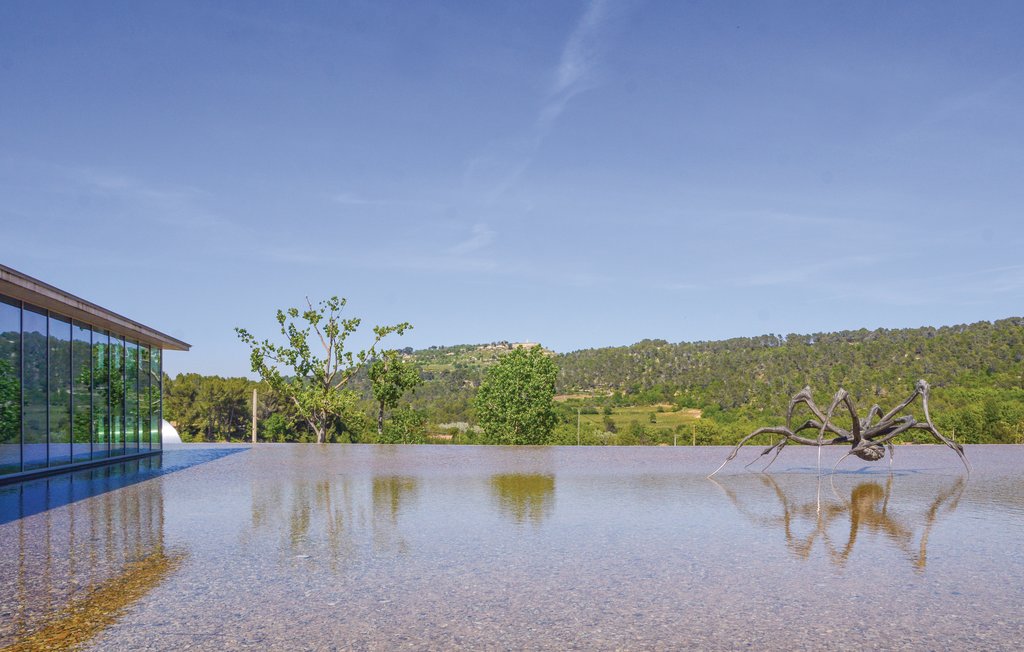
577,426
254,399
693,433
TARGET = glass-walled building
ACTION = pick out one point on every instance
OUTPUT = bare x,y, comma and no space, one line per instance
78,384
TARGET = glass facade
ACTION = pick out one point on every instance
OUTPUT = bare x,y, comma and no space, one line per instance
81,393
70,393
131,397
100,394
10,387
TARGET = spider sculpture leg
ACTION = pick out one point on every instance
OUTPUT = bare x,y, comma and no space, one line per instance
785,432
773,447
782,445
803,396
922,389
875,411
842,397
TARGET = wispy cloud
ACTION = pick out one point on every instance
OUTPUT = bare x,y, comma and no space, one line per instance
802,274
180,206
680,286
352,199
580,53
480,237
573,74
784,218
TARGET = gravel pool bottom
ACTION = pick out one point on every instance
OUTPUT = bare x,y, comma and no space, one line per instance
293,546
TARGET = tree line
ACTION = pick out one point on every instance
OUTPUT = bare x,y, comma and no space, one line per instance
976,372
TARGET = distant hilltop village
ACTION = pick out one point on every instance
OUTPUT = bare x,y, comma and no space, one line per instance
492,346
439,357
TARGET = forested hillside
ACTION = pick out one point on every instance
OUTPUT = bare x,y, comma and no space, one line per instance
976,370
639,393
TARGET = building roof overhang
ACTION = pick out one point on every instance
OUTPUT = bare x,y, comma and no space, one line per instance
33,291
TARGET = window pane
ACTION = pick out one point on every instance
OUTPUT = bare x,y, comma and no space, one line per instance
116,395
60,391
131,393
100,394
10,388
34,389
156,402
144,400
81,395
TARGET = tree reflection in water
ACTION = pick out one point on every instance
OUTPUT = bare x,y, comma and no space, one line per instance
392,492
524,497
333,517
868,510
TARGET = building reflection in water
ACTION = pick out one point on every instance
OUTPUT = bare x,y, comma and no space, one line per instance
524,496
870,509
333,516
69,572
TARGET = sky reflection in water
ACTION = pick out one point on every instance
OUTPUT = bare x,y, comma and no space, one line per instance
380,547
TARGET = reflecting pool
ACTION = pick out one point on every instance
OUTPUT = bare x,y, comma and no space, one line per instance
290,546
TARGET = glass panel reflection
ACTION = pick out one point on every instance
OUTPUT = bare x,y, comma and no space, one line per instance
144,399
100,394
60,594
131,394
81,394
59,366
10,388
34,389
156,404
116,395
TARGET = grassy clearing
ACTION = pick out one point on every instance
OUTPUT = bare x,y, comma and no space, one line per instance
623,416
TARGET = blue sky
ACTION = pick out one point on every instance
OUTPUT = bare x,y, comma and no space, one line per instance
576,173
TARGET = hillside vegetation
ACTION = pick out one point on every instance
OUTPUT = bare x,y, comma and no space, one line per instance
976,371
656,392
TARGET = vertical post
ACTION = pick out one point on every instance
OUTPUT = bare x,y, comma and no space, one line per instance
693,434
254,398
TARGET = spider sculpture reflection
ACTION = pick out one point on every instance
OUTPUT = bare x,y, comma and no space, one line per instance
868,440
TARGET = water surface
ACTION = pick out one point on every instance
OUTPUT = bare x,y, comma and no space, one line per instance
439,547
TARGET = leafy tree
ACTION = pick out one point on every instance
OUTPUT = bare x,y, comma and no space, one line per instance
405,427
515,402
274,428
390,378
316,384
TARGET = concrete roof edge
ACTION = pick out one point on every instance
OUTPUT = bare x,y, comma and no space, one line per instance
33,291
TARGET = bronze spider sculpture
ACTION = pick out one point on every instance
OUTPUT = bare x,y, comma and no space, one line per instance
868,440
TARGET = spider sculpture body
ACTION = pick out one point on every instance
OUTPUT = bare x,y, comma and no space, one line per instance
868,439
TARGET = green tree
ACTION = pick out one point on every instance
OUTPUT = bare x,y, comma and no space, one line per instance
316,384
515,402
274,428
390,378
405,427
